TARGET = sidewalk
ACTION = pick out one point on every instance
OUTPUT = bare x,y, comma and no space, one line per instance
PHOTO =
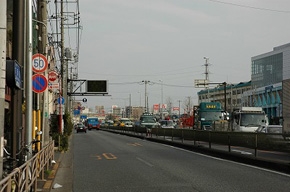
61,175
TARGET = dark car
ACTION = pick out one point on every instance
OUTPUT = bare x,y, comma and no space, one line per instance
80,128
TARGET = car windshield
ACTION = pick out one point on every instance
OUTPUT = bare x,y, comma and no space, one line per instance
125,120
148,119
211,116
92,120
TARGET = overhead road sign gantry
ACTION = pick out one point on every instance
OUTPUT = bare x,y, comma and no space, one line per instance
90,87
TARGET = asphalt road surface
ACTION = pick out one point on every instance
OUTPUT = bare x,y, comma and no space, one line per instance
108,162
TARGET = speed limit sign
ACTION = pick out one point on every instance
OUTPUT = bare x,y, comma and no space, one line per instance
39,63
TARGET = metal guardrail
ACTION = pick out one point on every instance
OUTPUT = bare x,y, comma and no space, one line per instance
25,177
251,140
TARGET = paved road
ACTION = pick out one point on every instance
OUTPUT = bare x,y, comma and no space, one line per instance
102,161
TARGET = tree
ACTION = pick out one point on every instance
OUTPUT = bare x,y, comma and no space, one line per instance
187,105
169,104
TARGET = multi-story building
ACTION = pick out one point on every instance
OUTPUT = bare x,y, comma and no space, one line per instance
271,83
269,87
230,96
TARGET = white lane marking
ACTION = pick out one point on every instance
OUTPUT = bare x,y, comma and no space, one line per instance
143,161
228,161
242,152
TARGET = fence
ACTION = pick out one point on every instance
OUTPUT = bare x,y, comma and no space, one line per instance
251,140
25,177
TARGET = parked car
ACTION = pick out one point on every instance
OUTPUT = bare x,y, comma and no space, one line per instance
80,127
166,124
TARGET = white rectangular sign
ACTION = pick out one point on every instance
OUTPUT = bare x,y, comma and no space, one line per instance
200,83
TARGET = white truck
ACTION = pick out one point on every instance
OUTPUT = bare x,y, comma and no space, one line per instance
249,119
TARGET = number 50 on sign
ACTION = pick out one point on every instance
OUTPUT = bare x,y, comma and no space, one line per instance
39,63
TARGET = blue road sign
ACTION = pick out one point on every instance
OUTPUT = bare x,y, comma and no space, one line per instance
39,83
60,100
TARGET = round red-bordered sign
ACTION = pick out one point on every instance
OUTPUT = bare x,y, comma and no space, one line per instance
52,76
39,63
39,83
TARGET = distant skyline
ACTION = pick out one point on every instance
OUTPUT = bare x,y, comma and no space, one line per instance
165,42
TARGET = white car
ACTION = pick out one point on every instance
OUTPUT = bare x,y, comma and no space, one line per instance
166,124
126,122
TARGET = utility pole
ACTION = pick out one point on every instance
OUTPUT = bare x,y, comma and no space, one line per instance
207,75
146,96
161,107
3,25
62,71
179,108
42,48
28,69
18,43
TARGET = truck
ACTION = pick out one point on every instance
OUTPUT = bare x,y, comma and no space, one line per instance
249,119
92,123
207,114
186,121
148,120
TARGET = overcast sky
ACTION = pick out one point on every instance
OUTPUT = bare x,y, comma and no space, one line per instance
165,42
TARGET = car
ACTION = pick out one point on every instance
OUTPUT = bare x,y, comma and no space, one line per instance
80,128
126,122
272,134
77,124
137,123
166,124
270,129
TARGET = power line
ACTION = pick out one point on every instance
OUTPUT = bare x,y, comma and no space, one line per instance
158,83
251,7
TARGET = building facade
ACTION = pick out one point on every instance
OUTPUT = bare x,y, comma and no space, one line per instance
270,75
229,95
269,87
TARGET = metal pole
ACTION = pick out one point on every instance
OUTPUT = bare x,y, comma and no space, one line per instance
61,88
42,48
28,75
225,92
3,25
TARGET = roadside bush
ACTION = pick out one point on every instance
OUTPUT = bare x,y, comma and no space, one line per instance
61,140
